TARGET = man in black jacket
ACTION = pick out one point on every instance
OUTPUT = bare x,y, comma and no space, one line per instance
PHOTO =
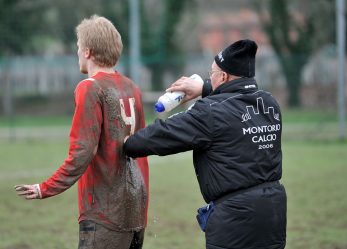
235,134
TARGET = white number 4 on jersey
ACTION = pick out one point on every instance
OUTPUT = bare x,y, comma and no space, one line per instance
128,120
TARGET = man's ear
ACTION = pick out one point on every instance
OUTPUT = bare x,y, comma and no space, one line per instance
225,77
87,53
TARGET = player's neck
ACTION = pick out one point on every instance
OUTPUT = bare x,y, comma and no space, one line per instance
94,69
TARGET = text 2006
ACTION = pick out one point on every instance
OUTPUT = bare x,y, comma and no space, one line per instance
265,146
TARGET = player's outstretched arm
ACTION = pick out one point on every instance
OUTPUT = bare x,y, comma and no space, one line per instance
29,192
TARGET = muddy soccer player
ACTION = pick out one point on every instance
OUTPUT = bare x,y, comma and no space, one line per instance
112,189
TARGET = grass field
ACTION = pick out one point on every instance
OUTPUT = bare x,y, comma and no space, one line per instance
314,173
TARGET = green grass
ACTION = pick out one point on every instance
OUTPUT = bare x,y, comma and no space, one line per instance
38,121
315,178
310,125
308,116
314,174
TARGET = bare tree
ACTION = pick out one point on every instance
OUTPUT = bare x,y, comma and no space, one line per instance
297,29
160,46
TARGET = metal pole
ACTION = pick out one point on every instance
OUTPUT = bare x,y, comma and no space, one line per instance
8,102
341,42
134,40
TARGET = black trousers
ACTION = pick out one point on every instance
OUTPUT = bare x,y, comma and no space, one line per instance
95,236
252,220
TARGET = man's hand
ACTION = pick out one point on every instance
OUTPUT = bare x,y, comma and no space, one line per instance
190,87
29,191
126,138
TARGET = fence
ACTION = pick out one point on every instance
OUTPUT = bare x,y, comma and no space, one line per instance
44,86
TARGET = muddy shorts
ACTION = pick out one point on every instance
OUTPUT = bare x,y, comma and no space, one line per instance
95,236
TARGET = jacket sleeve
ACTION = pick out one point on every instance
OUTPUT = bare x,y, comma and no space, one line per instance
84,138
206,88
181,132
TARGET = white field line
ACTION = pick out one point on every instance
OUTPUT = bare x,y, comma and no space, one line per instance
44,133
22,174
35,133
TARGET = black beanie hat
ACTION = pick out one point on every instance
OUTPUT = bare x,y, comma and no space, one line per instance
238,59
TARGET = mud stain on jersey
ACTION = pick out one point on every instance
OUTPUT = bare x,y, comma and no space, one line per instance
113,109
131,190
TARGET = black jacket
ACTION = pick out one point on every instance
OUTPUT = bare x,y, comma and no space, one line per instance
235,135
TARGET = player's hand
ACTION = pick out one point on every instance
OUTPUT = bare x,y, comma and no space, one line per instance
126,138
29,192
189,86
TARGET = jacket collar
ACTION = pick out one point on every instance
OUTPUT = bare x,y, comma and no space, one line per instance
239,85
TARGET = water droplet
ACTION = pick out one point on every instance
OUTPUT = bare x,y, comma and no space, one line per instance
155,219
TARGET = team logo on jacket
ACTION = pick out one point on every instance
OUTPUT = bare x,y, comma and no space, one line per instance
220,56
260,106
266,134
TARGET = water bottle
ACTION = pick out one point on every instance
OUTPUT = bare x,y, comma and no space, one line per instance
170,100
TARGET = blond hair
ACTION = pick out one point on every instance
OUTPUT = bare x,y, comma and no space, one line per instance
102,38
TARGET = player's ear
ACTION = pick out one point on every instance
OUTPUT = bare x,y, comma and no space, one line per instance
87,53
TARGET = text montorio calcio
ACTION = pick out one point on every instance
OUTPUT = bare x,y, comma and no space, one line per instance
263,134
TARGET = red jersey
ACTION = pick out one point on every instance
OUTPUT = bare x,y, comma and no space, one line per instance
112,189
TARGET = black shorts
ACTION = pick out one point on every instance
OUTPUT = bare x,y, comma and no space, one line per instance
95,236
253,219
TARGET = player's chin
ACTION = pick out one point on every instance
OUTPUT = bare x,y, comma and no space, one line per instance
83,70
